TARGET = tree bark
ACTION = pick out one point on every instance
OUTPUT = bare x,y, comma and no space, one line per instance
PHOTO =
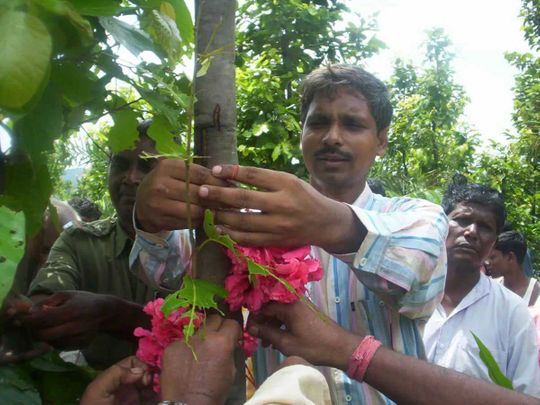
215,124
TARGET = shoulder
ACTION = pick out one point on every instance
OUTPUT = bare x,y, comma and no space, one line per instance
408,204
100,228
512,303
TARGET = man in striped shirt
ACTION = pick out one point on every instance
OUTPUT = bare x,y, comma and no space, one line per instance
384,258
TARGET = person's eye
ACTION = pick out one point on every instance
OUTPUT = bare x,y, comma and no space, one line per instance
118,164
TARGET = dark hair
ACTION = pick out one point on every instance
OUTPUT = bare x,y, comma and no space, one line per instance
376,186
512,241
478,194
328,80
85,208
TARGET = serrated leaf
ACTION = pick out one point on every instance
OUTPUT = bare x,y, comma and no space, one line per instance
133,39
77,84
123,135
167,9
211,233
25,52
11,247
184,21
495,373
256,268
165,136
97,8
164,32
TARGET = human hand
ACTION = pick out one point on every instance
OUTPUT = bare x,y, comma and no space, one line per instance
208,379
289,211
299,329
161,196
66,319
122,383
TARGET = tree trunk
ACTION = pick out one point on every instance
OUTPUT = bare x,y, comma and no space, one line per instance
215,123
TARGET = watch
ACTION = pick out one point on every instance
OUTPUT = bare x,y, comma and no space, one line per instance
171,403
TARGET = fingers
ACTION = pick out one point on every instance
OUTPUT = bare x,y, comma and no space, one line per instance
232,329
213,322
263,178
198,174
10,357
235,197
269,333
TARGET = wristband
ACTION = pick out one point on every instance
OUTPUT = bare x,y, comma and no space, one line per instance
361,357
171,403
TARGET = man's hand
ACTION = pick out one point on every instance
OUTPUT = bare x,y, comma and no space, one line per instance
71,319
299,329
161,196
288,211
206,380
123,383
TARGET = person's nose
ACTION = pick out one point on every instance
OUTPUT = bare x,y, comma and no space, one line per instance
333,135
472,231
133,175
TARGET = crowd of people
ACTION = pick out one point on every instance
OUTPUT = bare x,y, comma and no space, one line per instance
408,285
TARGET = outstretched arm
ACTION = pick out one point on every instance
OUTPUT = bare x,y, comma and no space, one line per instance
297,329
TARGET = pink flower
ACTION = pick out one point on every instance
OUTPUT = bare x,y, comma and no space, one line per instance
250,344
295,267
164,330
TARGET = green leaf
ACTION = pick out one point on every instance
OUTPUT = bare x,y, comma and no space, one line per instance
205,64
211,233
164,32
77,83
495,372
123,135
163,133
97,8
256,268
133,39
195,293
11,247
184,21
25,52
38,129
17,388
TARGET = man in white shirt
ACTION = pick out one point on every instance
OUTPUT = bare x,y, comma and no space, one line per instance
474,303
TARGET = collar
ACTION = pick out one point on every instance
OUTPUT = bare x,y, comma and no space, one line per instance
479,291
121,239
365,197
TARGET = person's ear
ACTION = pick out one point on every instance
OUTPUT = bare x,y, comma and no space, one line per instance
382,135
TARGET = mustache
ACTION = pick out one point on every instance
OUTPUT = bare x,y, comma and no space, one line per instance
332,150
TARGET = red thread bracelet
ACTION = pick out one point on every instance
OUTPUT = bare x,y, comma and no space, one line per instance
361,357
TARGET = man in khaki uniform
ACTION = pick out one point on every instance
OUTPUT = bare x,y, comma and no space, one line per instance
86,297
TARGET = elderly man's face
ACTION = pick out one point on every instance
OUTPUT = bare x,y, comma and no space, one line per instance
340,141
472,232
126,172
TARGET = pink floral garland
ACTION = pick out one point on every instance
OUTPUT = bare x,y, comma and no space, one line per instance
294,267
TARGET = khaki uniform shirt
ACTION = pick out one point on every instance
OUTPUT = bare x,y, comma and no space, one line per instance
94,257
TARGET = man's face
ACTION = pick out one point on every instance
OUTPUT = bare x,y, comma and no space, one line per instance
497,264
472,233
126,172
340,141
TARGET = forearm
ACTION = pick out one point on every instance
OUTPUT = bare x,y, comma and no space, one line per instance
405,379
121,317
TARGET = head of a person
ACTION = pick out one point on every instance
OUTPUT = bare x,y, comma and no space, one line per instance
127,168
87,210
507,254
40,244
345,114
476,215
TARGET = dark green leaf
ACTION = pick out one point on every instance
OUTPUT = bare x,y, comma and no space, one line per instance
11,246
17,388
97,8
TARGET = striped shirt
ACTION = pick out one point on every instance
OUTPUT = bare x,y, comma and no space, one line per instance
388,289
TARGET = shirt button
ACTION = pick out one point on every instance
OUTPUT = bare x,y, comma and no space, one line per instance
363,261
338,300
348,398
381,303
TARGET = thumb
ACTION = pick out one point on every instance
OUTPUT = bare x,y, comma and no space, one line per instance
53,300
108,382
